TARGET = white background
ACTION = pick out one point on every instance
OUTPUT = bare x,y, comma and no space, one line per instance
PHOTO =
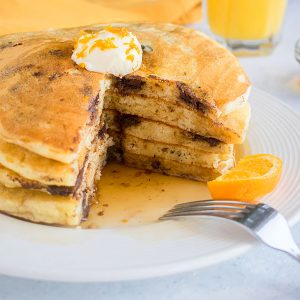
259,274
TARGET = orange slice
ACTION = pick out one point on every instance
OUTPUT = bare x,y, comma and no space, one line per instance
253,177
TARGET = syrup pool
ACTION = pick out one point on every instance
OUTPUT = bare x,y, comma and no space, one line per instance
128,196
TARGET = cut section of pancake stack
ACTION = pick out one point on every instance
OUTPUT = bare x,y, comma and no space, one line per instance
180,114
53,143
169,135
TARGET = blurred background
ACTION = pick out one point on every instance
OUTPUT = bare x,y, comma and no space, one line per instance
30,15
242,25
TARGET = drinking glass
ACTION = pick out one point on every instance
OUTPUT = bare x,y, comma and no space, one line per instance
247,27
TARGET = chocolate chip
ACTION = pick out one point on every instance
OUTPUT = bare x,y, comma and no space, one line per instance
85,206
37,74
18,44
52,189
190,98
9,44
213,142
101,132
127,120
60,190
155,164
126,85
93,109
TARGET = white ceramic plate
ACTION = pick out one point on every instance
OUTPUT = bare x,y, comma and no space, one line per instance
51,253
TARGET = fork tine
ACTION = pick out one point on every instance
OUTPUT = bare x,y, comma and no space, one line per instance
224,208
214,202
215,213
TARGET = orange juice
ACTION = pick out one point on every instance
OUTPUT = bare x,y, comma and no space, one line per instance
245,19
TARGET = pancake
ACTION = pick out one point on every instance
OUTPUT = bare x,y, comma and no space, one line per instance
11,179
44,170
41,207
179,153
46,101
161,132
230,128
173,168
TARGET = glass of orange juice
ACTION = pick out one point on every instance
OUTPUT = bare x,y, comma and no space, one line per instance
246,26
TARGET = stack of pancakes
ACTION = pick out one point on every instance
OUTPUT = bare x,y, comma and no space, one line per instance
180,114
52,134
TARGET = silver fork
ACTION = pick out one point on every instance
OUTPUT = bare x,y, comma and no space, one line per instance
262,221
297,51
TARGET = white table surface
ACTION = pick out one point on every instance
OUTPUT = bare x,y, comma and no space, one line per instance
259,274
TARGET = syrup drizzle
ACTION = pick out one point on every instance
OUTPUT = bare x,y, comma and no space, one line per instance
130,196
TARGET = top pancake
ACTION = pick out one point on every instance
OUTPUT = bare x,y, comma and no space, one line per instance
46,99
186,56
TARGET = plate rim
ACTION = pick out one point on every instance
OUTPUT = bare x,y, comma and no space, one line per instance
133,274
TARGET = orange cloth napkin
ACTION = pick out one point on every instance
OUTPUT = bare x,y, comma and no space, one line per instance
31,15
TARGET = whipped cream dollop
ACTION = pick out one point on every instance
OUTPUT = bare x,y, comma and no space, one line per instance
113,50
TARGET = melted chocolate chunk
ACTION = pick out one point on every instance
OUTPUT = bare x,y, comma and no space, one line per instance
115,153
211,141
80,176
60,190
93,108
190,98
52,189
28,185
67,190
86,204
127,120
102,132
155,164
126,85
37,74
9,44
18,44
